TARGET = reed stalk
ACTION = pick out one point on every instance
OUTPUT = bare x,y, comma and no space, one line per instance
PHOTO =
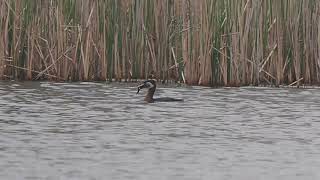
205,42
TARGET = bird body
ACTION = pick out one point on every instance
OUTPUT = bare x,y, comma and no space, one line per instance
151,86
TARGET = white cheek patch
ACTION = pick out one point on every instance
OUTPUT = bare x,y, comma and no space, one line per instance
149,85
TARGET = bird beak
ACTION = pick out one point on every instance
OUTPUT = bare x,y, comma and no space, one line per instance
140,87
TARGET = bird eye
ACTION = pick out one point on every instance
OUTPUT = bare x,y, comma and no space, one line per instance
149,85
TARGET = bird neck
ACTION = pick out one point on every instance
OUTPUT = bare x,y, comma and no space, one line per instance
149,95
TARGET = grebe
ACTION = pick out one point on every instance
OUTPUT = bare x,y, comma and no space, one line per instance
151,86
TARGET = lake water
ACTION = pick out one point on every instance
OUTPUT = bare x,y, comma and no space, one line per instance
105,131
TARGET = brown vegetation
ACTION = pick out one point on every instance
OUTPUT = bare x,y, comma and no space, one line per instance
206,42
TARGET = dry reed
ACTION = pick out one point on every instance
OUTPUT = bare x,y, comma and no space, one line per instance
205,42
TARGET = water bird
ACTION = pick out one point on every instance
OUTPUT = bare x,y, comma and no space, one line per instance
151,86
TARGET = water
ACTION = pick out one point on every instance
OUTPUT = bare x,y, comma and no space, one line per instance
99,131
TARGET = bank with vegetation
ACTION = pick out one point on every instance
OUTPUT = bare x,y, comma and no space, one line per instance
205,42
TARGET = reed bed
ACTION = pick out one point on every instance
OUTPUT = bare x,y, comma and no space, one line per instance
203,42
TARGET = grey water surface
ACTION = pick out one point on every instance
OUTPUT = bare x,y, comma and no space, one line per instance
99,131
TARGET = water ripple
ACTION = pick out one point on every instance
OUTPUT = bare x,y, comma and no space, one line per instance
97,130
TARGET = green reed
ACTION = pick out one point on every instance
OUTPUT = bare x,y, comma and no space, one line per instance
205,42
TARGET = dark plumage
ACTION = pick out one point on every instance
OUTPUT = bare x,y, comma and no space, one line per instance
151,86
